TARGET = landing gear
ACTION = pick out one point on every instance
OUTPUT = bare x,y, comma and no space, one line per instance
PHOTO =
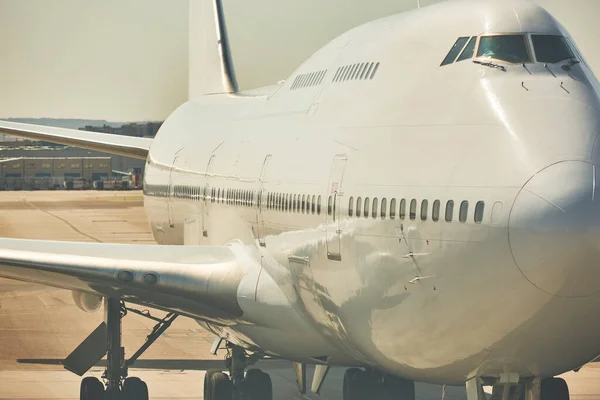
91,389
117,384
257,385
361,385
555,389
238,385
526,389
217,386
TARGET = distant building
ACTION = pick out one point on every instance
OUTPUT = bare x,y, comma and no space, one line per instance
148,129
90,168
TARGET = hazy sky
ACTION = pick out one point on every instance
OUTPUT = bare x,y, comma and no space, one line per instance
127,59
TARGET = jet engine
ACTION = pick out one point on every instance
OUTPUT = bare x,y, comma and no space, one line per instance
87,302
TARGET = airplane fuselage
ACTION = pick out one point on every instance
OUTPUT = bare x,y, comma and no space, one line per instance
393,202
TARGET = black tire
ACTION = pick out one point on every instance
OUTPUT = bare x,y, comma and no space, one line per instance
258,385
135,389
555,389
91,389
208,383
395,388
357,385
221,387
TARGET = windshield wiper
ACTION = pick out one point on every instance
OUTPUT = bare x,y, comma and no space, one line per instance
490,64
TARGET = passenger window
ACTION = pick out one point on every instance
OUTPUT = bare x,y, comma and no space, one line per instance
424,209
366,208
449,210
319,205
364,71
435,215
350,206
413,209
509,48
551,49
479,208
368,73
374,71
455,51
469,50
358,207
383,207
312,203
393,209
329,205
402,213
464,211
374,209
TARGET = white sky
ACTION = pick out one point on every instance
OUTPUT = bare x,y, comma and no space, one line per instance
124,60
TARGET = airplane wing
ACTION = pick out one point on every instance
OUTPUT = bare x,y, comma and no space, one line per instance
115,144
197,281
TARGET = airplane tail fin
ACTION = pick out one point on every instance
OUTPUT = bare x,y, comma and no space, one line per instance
210,63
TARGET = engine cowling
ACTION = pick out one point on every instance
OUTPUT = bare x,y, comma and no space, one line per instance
87,302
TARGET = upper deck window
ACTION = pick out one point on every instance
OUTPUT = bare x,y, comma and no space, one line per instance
551,49
508,48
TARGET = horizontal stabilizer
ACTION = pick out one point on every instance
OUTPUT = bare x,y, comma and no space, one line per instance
128,146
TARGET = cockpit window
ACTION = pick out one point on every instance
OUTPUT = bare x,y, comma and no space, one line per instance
509,48
551,49
469,50
455,51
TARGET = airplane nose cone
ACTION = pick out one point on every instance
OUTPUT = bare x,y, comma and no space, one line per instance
554,230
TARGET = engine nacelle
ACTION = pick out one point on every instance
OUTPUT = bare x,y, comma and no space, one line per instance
87,302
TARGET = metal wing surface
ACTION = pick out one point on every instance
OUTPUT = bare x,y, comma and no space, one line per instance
197,281
114,144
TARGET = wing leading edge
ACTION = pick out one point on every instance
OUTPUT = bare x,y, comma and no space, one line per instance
114,144
198,281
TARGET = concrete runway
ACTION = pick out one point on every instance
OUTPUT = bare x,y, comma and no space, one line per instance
39,326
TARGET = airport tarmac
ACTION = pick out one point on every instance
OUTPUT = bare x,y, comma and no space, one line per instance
39,326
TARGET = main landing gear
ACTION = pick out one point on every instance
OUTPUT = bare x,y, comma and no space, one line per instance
238,385
510,387
117,383
369,384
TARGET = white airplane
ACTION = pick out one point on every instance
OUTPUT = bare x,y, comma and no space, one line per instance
416,202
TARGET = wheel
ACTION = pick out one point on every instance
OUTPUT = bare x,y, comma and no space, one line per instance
357,385
258,385
208,383
555,389
221,387
395,388
135,389
91,389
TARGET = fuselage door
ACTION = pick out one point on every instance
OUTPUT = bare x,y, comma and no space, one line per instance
208,195
335,194
171,194
260,220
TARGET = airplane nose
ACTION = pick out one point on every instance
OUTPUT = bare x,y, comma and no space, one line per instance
554,230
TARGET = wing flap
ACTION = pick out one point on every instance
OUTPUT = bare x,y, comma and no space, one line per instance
129,146
198,281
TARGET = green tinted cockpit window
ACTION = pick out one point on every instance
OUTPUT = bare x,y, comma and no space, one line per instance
509,48
454,51
551,49
469,50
